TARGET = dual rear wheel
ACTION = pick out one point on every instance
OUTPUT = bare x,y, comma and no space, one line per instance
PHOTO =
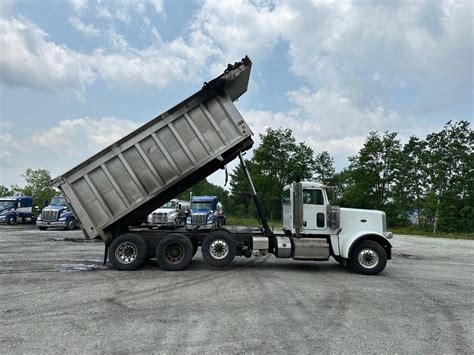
173,252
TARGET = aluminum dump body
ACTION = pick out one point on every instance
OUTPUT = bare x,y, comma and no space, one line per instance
133,176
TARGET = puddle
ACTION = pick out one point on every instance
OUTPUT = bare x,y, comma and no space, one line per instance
75,240
407,256
79,267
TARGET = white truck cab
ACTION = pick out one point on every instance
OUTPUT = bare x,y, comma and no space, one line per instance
172,214
309,215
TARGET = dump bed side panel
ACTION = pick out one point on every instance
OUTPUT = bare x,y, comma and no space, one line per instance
137,170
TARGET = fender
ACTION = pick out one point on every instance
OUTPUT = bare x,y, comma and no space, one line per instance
346,242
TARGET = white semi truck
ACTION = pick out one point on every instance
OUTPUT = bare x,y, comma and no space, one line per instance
171,215
169,154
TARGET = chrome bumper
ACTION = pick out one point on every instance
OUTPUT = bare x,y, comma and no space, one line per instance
51,224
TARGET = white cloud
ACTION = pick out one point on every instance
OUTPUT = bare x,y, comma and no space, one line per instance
86,29
29,59
61,147
79,5
158,6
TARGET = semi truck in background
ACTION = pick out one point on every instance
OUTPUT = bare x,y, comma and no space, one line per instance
181,147
57,214
206,211
171,215
16,209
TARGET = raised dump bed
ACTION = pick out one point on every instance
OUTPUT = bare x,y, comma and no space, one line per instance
162,158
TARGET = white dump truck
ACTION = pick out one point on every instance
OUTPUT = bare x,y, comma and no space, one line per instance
171,215
169,154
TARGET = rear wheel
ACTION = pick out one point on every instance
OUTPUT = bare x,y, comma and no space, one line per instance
368,258
128,252
174,252
218,248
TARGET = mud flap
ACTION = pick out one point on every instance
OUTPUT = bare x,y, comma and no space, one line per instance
106,250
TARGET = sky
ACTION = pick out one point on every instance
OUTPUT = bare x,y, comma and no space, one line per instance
77,75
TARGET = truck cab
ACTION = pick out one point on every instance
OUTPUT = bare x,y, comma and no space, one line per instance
172,215
57,214
206,211
16,209
308,214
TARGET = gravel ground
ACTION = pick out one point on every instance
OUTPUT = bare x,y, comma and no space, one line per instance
56,297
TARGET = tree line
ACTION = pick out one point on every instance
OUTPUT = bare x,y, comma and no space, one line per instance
428,182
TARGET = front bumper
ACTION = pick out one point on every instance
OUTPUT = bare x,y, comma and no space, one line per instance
51,224
2,219
162,224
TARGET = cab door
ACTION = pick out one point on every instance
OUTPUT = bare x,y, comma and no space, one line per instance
314,211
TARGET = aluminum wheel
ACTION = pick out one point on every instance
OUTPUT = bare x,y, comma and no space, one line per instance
174,253
126,252
219,249
368,258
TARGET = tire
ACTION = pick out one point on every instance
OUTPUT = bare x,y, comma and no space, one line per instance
218,248
368,258
128,252
71,225
42,228
11,220
174,252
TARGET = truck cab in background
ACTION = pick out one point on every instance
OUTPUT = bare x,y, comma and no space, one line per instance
206,211
57,214
172,215
16,209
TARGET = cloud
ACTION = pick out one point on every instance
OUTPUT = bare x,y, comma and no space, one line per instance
79,5
87,30
329,121
61,147
419,53
29,60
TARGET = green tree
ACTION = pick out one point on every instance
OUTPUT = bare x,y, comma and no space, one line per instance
372,175
324,168
38,186
412,180
279,160
450,174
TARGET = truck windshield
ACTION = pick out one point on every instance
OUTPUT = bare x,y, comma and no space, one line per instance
170,204
200,206
58,201
7,204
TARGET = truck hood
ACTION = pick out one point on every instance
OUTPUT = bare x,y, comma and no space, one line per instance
56,208
164,210
354,219
5,210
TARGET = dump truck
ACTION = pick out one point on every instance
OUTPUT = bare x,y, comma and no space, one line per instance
155,163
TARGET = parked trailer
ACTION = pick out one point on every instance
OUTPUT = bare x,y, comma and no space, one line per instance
153,164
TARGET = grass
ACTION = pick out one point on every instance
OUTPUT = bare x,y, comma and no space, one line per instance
253,222
424,233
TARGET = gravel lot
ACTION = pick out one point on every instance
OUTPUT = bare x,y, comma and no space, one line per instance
56,297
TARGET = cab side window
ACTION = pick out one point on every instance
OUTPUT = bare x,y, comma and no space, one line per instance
313,197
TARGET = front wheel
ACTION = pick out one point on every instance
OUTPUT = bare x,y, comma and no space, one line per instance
218,248
42,228
70,225
368,258
128,252
10,220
